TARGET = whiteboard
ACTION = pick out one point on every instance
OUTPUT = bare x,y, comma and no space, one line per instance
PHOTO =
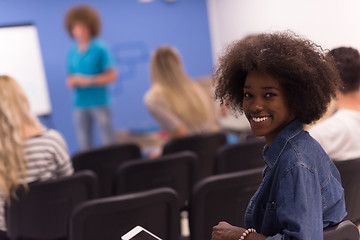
20,58
329,23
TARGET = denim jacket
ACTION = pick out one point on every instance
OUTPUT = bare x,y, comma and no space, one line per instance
301,191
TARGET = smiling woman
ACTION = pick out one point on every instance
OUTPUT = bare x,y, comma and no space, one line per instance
281,81
308,76
265,105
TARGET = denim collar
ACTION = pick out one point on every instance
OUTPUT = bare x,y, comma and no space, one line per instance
272,153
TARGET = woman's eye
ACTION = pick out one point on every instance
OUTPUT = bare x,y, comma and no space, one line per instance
269,95
247,95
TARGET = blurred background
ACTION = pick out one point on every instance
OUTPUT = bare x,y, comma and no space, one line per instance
199,29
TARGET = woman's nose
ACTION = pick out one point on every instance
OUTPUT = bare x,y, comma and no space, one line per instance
257,105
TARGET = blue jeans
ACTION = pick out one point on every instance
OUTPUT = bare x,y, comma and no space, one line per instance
84,121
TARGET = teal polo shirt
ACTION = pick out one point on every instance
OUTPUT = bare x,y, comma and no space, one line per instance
95,60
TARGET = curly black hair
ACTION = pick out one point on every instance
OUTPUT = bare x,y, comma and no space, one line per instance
86,15
348,64
306,73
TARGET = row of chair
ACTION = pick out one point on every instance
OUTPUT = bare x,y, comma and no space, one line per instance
214,156
44,211
66,209
179,172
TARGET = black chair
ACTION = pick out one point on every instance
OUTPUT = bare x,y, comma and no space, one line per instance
345,230
204,145
43,211
221,198
177,171
103,161
350,179
109,218
242,156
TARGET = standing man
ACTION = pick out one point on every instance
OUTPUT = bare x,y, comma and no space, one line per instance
90,69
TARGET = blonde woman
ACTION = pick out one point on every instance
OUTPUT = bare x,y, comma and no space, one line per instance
28,151
180,105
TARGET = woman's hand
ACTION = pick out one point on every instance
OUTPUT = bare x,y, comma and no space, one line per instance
225,231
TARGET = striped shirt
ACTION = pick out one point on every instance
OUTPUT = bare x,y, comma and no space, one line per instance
47,157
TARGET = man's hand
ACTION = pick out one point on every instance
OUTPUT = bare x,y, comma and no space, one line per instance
79,81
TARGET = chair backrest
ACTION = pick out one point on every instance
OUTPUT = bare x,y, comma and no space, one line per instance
241,156
350,179
43,211
177,171
109,218
103,161
204,145
346,230
221,198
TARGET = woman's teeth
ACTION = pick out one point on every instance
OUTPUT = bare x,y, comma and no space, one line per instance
259,119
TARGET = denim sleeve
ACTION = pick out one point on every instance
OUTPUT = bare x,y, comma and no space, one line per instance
299,204
276,237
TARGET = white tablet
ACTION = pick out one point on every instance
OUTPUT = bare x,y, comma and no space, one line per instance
139,233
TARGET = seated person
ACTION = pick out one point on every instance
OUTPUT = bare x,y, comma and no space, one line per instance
26,147
281,82
179,105
339,135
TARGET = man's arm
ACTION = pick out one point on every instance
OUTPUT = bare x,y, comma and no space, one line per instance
105,78
97,80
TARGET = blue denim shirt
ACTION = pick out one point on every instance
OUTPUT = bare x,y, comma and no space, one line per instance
301,191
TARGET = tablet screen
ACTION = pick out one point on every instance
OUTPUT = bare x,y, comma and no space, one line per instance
142,235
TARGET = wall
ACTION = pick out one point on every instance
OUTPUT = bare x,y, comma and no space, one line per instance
329,23
133,30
